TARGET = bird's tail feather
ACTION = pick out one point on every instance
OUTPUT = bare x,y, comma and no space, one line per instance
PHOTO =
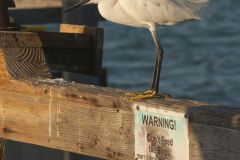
196,7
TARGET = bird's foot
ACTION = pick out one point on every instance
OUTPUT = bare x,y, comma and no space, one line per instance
145,95
141,95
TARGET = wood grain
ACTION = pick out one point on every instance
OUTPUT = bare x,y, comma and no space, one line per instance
24,55
99,121
92,120
209,142
3,69
44,40
38,3
28,54
66,127
20,61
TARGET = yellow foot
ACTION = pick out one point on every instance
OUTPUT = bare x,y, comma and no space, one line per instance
141,95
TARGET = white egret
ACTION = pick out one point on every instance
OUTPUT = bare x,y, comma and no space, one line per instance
148,14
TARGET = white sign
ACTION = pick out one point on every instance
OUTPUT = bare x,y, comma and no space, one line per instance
160,134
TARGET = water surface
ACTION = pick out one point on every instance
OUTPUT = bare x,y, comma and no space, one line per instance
201,61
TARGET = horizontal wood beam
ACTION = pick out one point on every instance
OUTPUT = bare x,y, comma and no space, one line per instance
38,3
64,127
44,40
99,121
26,54
36,15
51,11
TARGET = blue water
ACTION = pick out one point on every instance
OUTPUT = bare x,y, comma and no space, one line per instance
201,61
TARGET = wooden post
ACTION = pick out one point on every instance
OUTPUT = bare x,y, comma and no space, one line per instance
23,4
42,47
4,18
2,149
100,122
97,41
103,122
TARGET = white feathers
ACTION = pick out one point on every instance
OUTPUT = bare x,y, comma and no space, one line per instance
193,6
145,13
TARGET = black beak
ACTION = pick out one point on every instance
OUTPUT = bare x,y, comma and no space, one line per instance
80,3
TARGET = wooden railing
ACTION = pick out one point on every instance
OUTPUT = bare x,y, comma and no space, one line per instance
38,3
51,11
102,122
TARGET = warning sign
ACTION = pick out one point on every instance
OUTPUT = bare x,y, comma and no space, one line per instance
160,134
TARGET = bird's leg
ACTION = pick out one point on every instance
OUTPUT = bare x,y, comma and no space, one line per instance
158,64
156,73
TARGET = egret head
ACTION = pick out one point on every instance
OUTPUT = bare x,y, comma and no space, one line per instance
81,3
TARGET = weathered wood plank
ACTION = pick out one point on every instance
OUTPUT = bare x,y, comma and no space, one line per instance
22,62
209,142
38,3
31,54
97,41
71,28
20,69
93,120
65,40
65,126
44,40
72,51
3,69
99,121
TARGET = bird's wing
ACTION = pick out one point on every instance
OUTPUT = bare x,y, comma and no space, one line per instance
163,11
193,5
